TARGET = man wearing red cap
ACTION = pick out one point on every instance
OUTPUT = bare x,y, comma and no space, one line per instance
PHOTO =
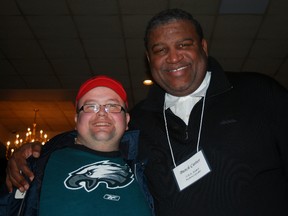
86,175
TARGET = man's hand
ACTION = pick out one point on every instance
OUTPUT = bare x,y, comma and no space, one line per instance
17,166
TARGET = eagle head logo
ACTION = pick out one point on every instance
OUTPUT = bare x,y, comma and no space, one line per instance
90,176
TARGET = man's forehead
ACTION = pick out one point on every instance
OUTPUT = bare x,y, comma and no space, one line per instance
101,93
166,31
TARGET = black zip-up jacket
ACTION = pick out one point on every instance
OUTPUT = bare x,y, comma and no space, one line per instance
244,139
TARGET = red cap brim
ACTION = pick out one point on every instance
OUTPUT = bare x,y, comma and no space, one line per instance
104,81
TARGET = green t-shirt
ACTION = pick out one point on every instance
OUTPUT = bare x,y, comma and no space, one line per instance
79,181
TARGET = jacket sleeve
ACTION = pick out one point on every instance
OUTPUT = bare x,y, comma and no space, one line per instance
279,108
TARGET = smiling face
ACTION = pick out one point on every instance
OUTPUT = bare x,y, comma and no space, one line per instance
101,131
177,57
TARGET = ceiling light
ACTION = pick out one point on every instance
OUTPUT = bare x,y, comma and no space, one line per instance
148,82
31,136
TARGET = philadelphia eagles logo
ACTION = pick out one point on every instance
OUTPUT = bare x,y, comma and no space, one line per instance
90,176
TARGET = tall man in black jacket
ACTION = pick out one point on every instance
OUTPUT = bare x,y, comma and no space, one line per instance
211,143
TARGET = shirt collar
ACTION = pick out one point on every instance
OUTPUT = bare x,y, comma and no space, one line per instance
171,100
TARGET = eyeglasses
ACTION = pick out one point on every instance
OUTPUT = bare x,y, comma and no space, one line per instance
95,108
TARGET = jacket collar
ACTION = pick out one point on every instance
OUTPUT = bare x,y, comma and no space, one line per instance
171,100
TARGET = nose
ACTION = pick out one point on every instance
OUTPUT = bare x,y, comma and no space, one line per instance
102,111
174,56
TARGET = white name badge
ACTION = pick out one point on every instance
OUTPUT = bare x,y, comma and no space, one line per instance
191,170
19,194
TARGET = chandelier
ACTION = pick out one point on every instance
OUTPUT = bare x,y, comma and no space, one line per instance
31,136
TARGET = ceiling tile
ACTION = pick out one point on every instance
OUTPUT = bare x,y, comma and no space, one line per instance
89,7
42,81
267,66
283,70
273,27
5,112
237,26
8,7
34,95
73,81
7,67
269,48
98,26
22,108
237,48
63,48
208,23
231,64
70,116
135,48
124,79
243,6
139,71
277,7
109,66
134,26
21,49
142,7
60,128
43,7
105,48
65,106
13,124
52,27
12,82
196,6
32,66
71,66
14,27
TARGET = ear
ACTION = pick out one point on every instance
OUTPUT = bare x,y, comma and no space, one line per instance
127,120
205,46
76,119
147,56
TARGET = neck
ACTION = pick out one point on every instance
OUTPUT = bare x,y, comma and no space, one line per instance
98,146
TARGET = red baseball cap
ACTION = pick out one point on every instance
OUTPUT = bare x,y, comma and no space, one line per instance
104,81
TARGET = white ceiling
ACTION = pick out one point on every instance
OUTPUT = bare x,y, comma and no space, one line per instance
49,47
